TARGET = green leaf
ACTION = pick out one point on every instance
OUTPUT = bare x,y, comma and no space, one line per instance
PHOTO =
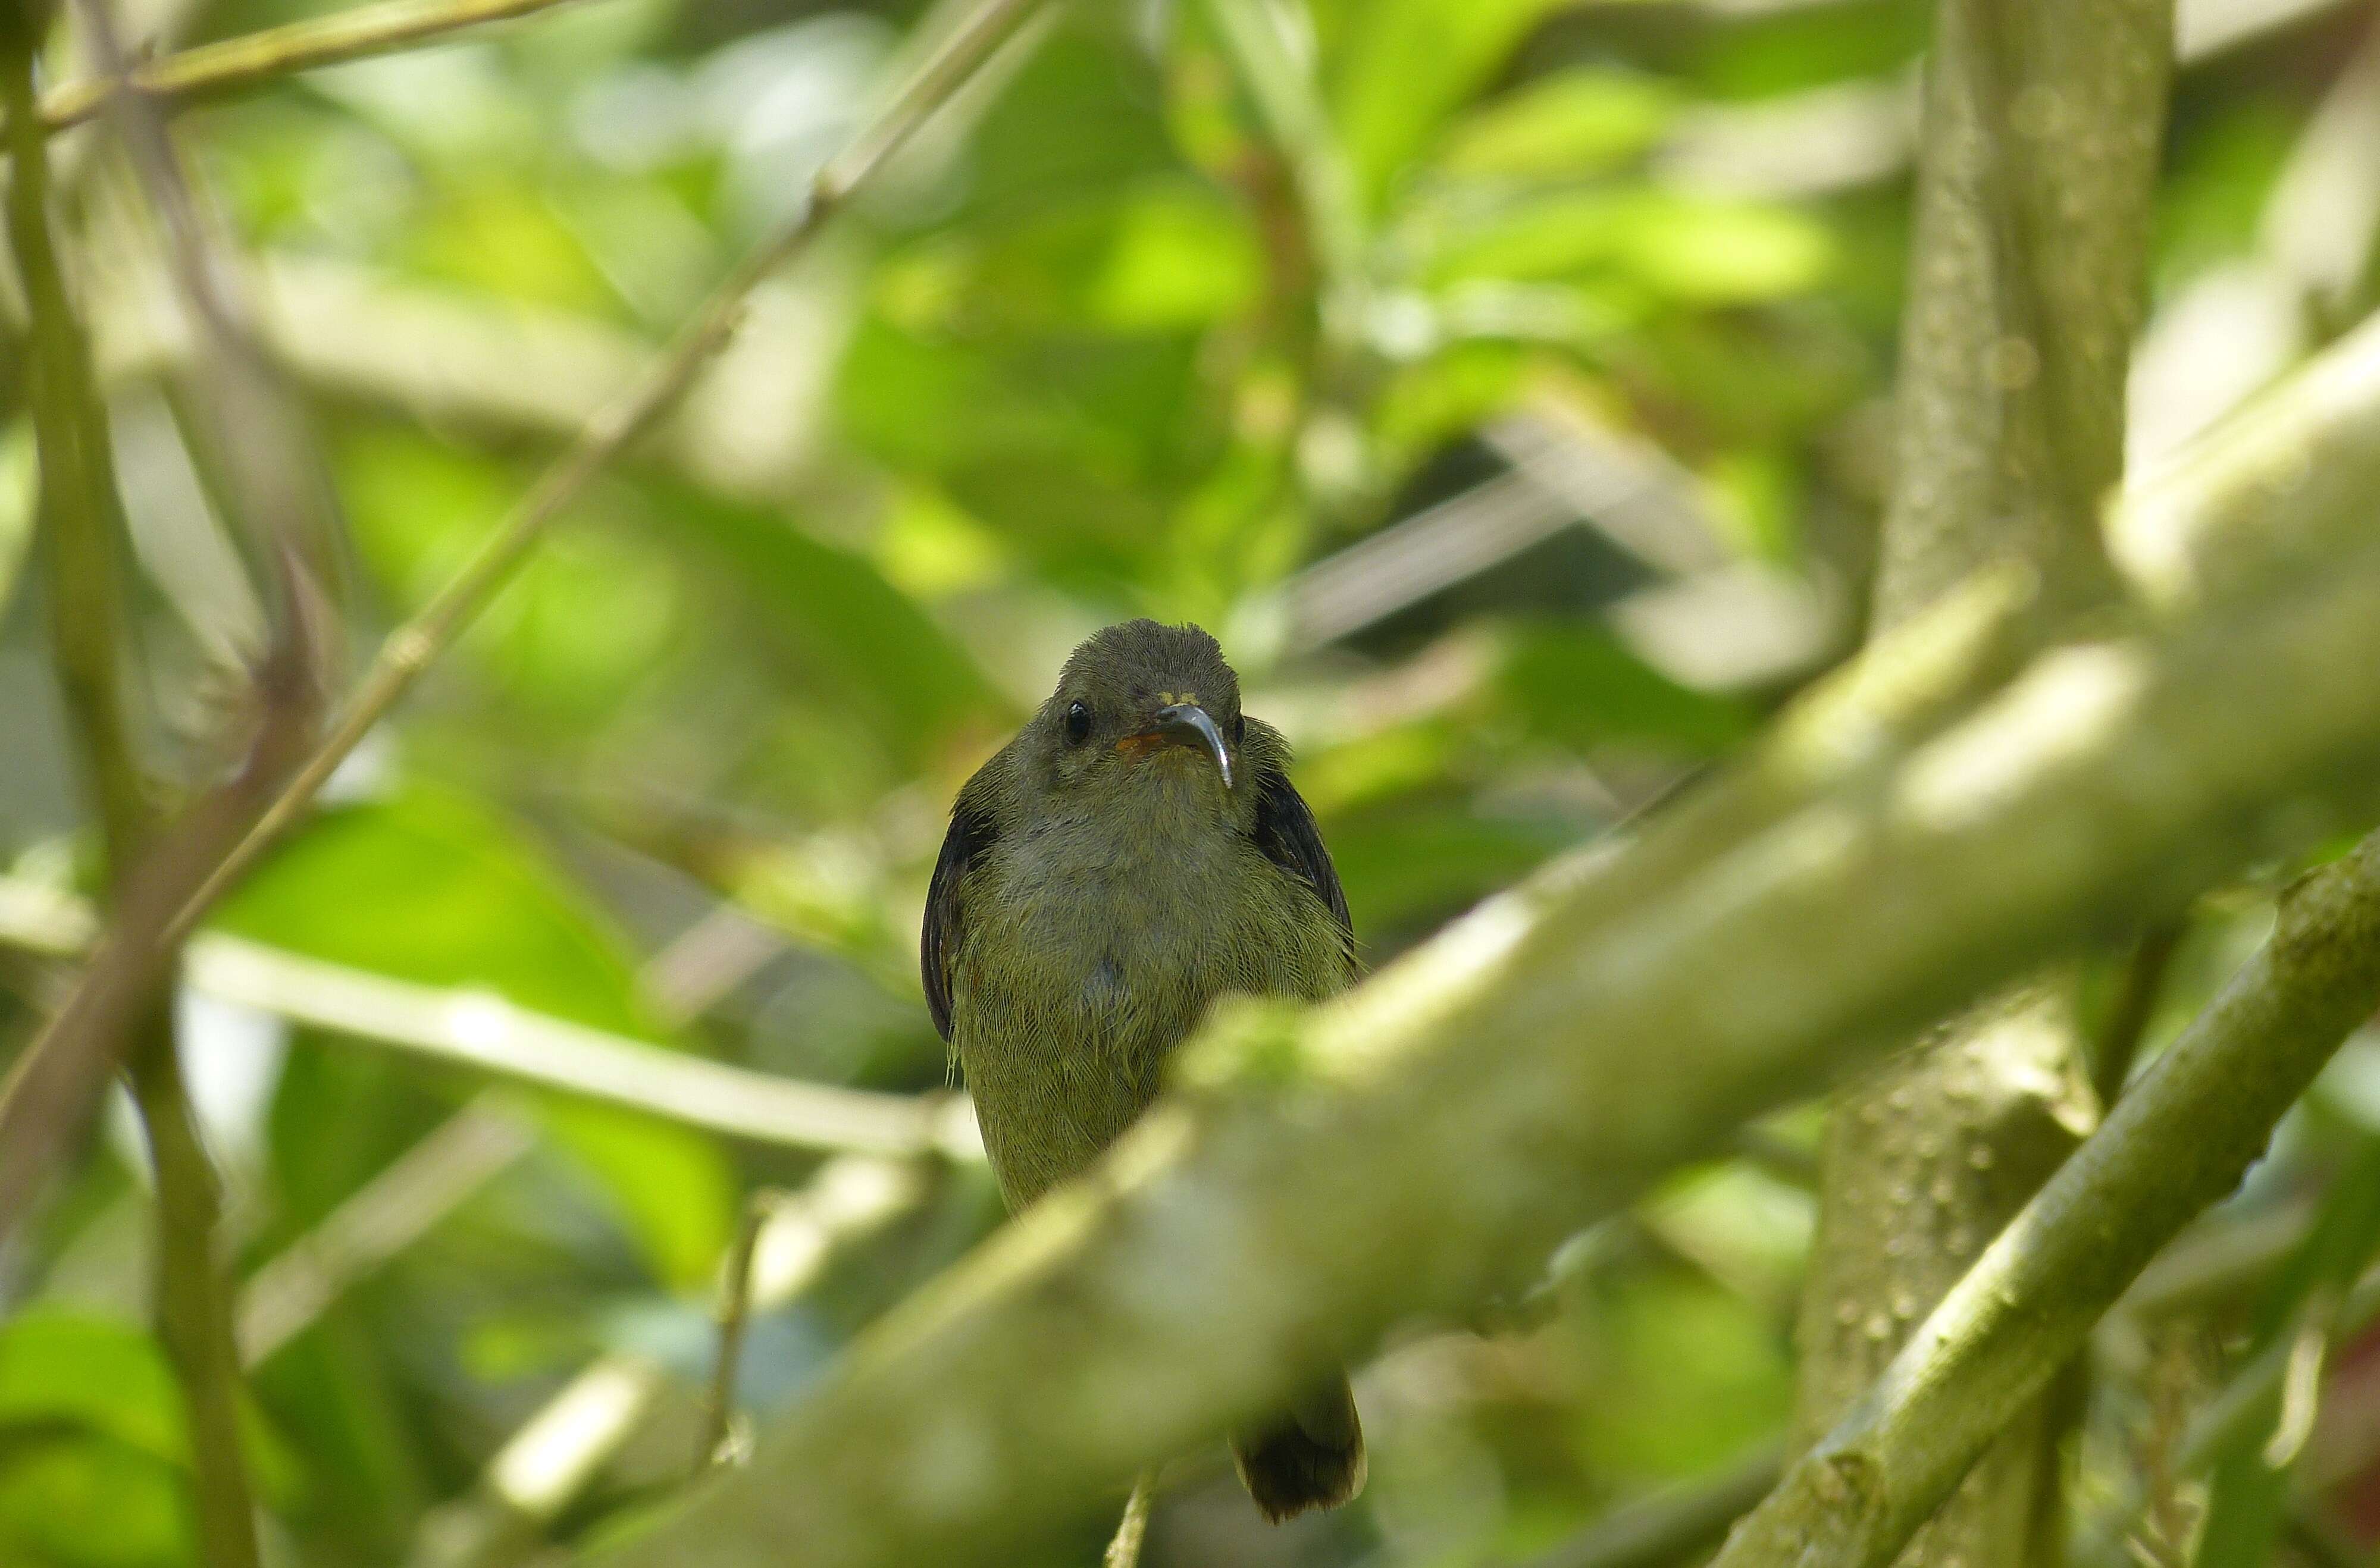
1577,684
433,888
87,1503
1692,249
1408,65
109,1378
1571,123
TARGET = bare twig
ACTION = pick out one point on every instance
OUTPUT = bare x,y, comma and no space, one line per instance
235,64
414,646
735,1311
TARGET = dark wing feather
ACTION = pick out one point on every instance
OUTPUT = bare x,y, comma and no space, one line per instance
1286,833
938,944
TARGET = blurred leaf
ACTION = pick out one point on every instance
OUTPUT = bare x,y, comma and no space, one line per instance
2248,1497
1683,1374
588,614
1782,49
1571,123
1161,257
860,647
1577,684
106,1377
85,1502
1698,250
1408,65
432,889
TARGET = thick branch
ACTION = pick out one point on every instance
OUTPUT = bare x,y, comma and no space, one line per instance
2175,1141
1416,1139
2042,126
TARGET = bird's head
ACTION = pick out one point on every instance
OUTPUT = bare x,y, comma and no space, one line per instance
1144,707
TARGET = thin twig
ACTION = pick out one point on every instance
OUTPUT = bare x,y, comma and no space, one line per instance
234,65
1124,1548
735,1311
416,645
481,1030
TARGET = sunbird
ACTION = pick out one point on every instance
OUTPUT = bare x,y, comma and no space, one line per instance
1136,853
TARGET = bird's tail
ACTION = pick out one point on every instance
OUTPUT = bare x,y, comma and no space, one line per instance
1309,1456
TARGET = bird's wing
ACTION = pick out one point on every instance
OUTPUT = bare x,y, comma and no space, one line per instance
1286,833
938,944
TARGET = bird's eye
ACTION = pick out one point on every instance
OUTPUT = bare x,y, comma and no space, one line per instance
1239,729
1078,724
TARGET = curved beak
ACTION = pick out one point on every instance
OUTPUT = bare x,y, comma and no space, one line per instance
1187,724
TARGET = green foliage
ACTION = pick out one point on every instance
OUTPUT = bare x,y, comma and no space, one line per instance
1096,346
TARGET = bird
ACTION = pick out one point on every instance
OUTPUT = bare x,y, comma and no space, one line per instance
1136,853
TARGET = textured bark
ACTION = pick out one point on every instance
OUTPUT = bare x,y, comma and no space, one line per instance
2179,1140
2043,120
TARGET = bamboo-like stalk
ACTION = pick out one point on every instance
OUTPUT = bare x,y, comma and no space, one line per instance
2178,1141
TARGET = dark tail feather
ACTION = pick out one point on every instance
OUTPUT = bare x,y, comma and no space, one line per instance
1311,1457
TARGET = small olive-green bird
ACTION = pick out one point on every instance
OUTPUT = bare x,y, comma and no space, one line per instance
1136,853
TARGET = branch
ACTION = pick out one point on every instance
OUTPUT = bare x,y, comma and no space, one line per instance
482,1032
1415,1140
416,645
2041,137
2177,1140
235,64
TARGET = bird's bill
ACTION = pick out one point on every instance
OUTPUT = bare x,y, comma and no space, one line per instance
1185,724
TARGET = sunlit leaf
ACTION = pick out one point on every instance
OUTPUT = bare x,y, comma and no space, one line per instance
1696,249
1408,65
1562,127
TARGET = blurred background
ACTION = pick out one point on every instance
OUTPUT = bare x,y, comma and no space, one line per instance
1504,382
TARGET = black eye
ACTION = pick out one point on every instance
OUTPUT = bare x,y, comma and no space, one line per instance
1078,724
1239,728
